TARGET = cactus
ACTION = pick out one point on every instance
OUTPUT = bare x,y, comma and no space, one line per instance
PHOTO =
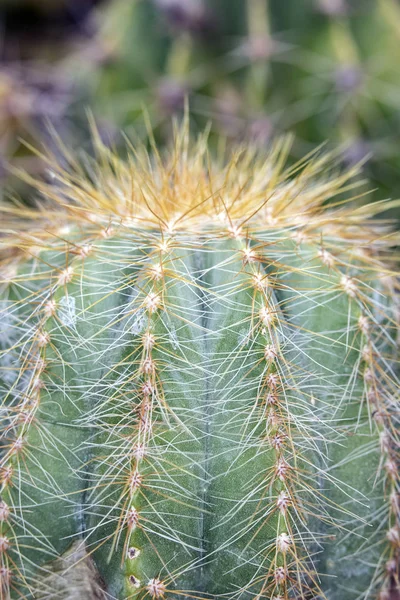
350,81
198,376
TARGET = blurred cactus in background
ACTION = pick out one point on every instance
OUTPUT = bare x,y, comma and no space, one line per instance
326,70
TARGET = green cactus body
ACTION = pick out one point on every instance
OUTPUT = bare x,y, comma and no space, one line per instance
199,385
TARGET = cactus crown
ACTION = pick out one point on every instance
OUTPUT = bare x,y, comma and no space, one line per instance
199,384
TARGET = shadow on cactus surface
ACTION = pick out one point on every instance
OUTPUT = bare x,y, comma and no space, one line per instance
199,381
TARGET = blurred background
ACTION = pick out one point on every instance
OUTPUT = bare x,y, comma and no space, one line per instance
326,70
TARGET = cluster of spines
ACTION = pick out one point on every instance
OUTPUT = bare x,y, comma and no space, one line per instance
286,570
149,393
21,418
381,410
380,394
30,381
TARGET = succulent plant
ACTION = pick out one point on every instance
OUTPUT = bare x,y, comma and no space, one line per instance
348,84
199,381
